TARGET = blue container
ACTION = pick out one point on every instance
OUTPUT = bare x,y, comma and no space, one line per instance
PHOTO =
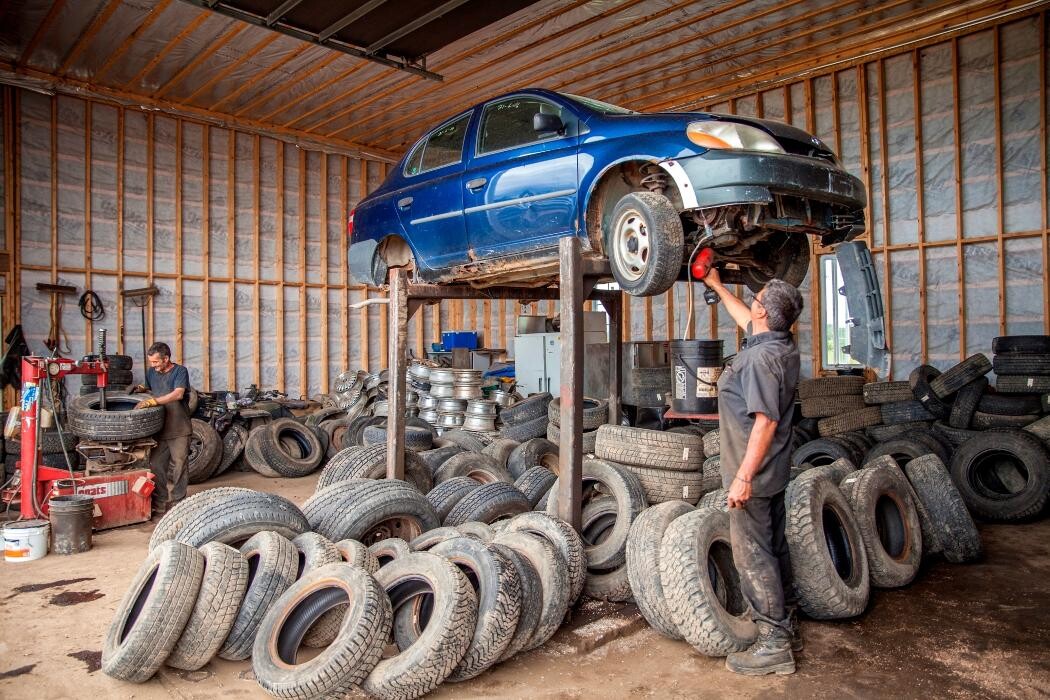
459,339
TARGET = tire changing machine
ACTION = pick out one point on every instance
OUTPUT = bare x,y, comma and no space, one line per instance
578,278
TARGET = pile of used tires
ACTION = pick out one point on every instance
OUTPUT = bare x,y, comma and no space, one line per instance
237,573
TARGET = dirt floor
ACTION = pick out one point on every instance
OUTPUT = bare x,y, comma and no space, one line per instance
981,630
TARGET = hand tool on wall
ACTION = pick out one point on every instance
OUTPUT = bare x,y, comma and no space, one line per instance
141,298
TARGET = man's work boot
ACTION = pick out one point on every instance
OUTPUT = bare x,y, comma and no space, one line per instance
771,653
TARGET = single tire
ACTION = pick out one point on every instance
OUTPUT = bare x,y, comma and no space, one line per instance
829,562
902,450
390,549
987,421
1022,385
438,648
500,450
966,402
645,244
643,564
205,452
960,375
370,463
650,448
830,386
617,482
477,466
353,552
369,511
879,433
113,377
702,586
499,602
1017,364
715,499
1021,343
854,420
272,565
820,452
153,612
531,589
904,412
535,483
523,432
489,503
554,581
290,448
439,455
430,539
712,474
1009,404
1003,476
662,485
416,439
1041,429
919,380
712,447
955,532
469,441
538,452
564,538
120,422
787,253
223,586
953,436
827,406
353,653
878,393
525,411
882,503
314,551
229,515
588,439
232,447
595,413
446,495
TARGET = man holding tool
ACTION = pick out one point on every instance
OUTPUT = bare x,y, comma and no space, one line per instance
756,397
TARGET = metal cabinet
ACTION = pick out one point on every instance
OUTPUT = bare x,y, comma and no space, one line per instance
537,363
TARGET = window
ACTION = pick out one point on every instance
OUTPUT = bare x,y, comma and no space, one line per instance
509,123
444,146
834,316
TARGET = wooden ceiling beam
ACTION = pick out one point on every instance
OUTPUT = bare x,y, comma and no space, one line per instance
159,56
259,46
313,91
38,35
276,90
100,19
231,32
260,74
146,23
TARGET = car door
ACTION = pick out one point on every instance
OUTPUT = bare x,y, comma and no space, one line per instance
520,185
431,202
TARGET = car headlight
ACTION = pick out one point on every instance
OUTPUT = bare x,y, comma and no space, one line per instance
716,134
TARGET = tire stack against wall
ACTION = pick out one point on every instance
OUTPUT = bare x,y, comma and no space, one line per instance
119,377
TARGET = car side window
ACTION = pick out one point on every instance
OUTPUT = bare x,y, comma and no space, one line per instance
508,123
442,147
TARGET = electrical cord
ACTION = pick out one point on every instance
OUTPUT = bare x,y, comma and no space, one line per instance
91,306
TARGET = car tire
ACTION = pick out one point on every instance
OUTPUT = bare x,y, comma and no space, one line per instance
643,564
645,244
789,257
564,538
1002,475
554,580
535,483
205,452
487,504
956,534
538,452
370,510
447,494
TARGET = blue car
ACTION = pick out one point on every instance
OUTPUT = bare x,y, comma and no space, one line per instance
484,197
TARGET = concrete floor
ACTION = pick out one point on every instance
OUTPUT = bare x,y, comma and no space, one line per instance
981,630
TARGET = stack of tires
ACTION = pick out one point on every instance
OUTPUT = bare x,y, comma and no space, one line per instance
595,413
285,448
669,465
526,419
835,405
118,379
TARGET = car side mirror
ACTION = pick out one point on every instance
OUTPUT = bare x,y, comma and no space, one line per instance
547,123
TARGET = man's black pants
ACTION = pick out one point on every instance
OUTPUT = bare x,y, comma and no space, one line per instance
760,553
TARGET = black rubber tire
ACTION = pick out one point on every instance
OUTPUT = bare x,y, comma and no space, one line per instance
904,412
113,377
819,453
827,406
352,436
50,442
987,421
110,390
438,649
662,485
712,474
588,439
431,538
837,471
253,454
531,599
480,467
654,217
498,589
563,537
879,433
228,515
955,532
646,386
153,612
702,586
223,586
370,463
121,421
714,499
610,585
370,511
278,455
500,450
953,436
960,375
205,451
535,483
1017,364
712,444
1021,344
526,410
829,563
878,393
323,415
523,432
487,504
595,413
919,380
314,551
1023,385
966,402
1041,429
902,450
1003,475
335,429
882,502
830,386
352,654
436,457
447,494
554,580
656,449
272,564
1010,404
616,482
354,552
853,449
853,420
416,439
937,445
643,564
232,447
469,441
389,550
538,452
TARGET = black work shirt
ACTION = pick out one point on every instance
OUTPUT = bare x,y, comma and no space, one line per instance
761,379
176,416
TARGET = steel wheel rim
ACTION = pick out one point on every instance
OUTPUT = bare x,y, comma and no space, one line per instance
405,527
631,228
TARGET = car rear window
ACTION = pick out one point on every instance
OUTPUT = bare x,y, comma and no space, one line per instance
443,147
508,123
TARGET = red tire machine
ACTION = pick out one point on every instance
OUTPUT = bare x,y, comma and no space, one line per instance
121,497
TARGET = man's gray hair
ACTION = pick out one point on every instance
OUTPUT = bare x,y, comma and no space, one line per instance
783,304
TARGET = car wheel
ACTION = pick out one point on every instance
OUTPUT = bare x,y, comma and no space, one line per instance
645,244
787,255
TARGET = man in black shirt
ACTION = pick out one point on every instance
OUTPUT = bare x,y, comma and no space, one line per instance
756,396
169,383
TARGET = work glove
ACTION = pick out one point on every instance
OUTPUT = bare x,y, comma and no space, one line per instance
146,403
138,389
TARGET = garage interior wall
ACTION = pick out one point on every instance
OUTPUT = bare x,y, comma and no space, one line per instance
107,197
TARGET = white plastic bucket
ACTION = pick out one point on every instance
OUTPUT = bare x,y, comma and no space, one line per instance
26,540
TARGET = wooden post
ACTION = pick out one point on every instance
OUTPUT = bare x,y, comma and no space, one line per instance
282,377
325,356
304,379
924,345
231,259
206,253
957,141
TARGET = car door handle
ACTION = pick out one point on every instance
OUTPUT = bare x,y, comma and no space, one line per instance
476,184
404,203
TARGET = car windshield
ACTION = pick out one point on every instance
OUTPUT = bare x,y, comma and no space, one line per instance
598,105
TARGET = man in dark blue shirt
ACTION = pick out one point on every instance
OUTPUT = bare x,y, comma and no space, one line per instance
756,397
169,384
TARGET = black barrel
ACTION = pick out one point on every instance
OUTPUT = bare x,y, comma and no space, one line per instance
696,366
71,518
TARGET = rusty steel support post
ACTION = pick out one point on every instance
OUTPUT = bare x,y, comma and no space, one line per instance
570,483
614,307
397,310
